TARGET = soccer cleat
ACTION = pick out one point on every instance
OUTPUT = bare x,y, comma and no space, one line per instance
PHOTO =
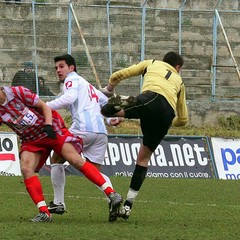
124,212
42,217
108,110
56,208
114,205
120,101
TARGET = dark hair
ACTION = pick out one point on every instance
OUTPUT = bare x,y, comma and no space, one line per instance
68,59
173,59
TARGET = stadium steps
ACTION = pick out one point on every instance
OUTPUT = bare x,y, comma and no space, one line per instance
16,31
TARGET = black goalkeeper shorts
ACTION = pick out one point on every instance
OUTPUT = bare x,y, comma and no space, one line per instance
155,114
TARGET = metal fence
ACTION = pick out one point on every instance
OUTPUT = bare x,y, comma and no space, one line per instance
105,36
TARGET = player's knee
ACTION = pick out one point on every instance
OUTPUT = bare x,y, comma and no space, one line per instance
27,171
77,161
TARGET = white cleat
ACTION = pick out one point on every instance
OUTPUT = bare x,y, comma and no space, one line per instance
125,212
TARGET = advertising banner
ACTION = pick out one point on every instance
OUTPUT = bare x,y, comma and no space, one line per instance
227,157
175,157
9,159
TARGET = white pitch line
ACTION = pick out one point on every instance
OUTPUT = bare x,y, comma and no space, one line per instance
140,201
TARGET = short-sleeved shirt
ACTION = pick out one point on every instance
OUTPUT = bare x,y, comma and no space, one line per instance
20,114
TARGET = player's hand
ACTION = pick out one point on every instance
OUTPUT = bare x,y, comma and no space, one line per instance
109,92
114,121
48,129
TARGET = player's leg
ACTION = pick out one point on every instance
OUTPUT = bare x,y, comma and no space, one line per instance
109,111
155,118
29,162
92,173
93,143
117,105
138,111
58,180
112,212
120,101
136,180
97,142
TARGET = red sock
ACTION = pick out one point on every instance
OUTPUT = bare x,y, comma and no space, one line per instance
93,174
34,189
108,190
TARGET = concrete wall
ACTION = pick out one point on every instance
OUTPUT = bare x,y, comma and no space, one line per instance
17,44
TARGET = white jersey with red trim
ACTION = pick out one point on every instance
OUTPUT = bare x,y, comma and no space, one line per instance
84,101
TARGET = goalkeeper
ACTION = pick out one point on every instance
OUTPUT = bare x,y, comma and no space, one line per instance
161,103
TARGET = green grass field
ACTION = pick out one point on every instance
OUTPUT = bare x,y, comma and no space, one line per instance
165,209
174,209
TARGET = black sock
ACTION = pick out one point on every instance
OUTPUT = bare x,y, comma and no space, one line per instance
138,177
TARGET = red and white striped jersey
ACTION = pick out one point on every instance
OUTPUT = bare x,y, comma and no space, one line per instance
20,114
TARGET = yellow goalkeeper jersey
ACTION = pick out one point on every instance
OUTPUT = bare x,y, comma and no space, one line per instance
162,78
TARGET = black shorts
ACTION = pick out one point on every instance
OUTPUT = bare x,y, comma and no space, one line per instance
155,114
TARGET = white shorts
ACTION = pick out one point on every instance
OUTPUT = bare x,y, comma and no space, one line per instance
94,146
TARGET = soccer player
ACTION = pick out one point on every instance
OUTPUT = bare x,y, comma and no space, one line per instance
162,96
85,102
41,131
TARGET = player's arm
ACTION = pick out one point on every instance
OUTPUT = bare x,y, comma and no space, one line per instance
114,121
115,78
103,99
47,113
64,100
182,113
134,70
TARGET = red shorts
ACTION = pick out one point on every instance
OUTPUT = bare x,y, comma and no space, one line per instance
46,145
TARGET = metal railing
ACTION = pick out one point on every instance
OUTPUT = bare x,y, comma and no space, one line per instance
106,37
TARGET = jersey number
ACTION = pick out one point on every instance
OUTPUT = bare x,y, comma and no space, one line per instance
169,73
92,93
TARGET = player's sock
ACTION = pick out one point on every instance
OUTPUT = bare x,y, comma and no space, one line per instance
58,179
93,174
34,188
110,184
131,196
138,177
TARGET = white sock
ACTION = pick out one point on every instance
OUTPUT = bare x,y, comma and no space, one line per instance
58,179
131,195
